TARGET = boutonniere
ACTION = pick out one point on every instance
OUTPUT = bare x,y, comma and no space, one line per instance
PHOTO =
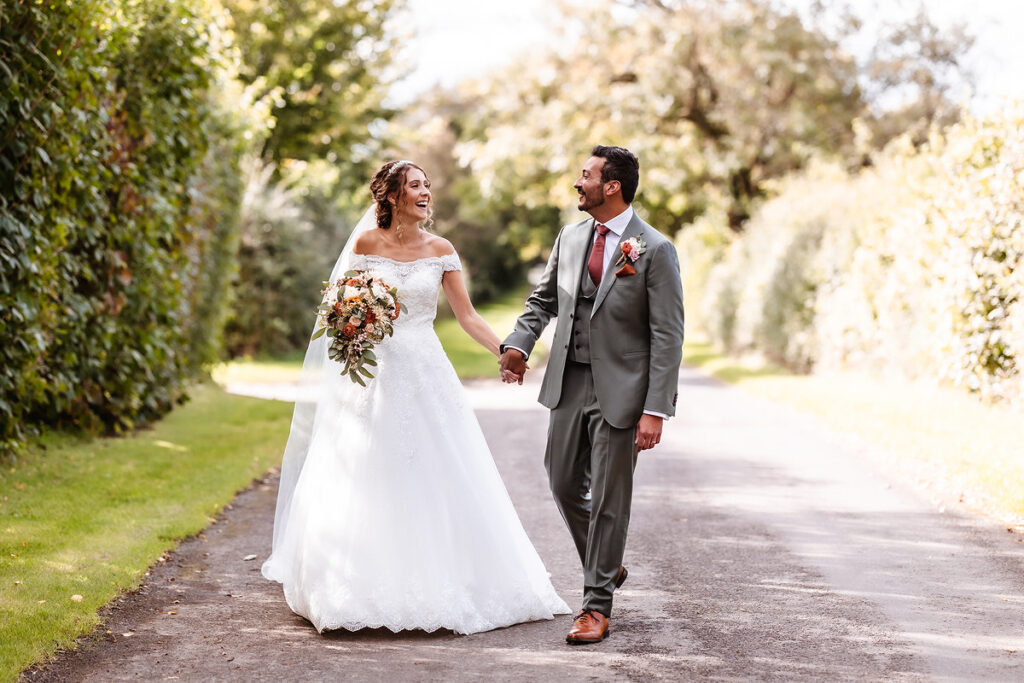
631,251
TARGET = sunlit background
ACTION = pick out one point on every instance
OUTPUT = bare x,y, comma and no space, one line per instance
840,178
455,39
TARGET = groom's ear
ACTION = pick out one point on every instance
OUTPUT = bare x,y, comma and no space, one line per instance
611,187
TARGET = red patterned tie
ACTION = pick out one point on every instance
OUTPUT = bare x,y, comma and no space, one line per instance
595,264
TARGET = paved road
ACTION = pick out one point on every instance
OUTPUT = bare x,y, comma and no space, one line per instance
762,547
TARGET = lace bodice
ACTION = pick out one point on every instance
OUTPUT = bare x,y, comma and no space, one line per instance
418,282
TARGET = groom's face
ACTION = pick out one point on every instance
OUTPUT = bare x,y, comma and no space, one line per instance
589,185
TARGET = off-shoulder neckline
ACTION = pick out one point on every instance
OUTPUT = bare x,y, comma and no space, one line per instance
394,260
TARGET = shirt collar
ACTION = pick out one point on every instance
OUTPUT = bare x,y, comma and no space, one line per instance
619,223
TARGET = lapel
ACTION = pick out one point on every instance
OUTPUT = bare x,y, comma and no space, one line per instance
634,228
575,249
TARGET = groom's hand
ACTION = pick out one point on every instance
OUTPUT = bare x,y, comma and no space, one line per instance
513,363
648,431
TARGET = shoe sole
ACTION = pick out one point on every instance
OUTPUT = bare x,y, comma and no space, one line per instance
580,641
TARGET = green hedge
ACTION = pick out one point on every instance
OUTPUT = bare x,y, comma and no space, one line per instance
119,186
915,265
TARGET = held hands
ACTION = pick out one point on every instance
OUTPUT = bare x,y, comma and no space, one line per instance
513,366
648,431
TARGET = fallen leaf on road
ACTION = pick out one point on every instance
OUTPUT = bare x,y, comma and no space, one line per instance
173,611
249,557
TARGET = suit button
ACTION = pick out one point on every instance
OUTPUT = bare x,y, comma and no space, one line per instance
566,346
570,316
577,346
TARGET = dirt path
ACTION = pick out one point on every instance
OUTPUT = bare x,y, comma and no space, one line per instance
762,546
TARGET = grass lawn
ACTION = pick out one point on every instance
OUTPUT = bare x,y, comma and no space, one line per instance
81,520
283,369
945,438
469,358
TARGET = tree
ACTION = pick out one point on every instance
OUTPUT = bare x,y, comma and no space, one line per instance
716,99
326,66
914,74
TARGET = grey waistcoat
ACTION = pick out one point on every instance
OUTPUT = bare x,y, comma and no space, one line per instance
579,345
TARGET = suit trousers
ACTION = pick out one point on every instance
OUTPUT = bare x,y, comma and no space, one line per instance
590,469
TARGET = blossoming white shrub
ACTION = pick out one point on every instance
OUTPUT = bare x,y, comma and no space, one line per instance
913,265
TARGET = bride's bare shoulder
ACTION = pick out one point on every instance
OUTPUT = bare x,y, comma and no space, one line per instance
439,246
367,243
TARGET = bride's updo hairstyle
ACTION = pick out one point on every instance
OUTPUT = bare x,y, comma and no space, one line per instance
389,180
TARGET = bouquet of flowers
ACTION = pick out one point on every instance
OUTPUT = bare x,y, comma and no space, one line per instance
357,311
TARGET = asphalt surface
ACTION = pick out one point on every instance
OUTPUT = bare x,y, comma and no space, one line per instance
762,547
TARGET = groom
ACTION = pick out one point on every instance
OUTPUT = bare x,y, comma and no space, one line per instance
611,377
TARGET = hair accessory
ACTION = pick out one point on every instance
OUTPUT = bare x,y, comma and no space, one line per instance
398,164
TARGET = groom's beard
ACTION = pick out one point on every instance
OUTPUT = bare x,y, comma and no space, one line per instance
588,202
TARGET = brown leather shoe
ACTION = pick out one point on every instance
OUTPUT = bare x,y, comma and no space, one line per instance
589,626
620,578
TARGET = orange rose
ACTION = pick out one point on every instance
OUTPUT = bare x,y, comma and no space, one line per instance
370,318
352,283
349,330
625,248
338,307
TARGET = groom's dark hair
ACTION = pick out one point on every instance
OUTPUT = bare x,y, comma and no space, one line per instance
619,164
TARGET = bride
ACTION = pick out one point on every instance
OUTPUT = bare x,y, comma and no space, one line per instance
391,512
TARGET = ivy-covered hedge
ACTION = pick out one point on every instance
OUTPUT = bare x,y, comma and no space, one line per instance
914,266
119,187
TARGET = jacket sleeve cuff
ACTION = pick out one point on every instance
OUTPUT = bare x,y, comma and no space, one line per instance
505,347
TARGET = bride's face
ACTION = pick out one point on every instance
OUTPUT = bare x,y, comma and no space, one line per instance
413,204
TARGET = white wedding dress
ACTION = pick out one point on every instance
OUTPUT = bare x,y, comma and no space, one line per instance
398,517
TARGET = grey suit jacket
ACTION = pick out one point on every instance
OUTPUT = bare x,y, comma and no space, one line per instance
636,328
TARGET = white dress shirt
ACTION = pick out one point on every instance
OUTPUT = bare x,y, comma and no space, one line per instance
616,226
